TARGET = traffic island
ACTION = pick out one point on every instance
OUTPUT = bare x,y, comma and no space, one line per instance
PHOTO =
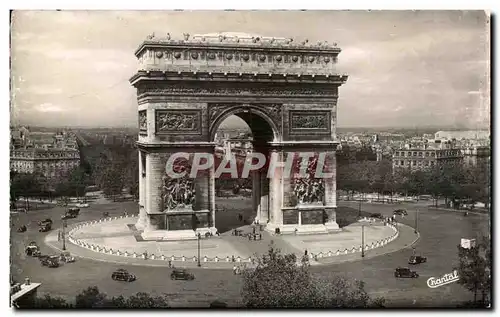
114,240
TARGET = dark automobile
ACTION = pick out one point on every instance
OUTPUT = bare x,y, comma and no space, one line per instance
405,272
22,229
417,259
123,275
45,227
400,212
181,275
32,250
71,213
46,221
33,243
377,215
51,261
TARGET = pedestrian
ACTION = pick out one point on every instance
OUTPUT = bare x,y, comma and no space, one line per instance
59,236
169,264
413,250
295,231
145,255
232,258
234,269
305,252
260,236
253,230
249,237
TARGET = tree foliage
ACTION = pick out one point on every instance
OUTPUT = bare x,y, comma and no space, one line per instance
475,268
91,297
280,281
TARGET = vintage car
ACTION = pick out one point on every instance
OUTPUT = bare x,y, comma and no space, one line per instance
71,213
32,250
66,257
123,275
181,274
377,215
105,214
400,212
22,229
417,259
51,261
405,272
82,205
46,221
45,227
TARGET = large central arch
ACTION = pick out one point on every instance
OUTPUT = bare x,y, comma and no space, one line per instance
286,93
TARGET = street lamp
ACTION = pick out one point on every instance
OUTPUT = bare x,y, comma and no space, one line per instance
416,222
64,234
199,238
362,241
359,209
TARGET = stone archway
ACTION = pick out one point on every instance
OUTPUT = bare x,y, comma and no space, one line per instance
185,89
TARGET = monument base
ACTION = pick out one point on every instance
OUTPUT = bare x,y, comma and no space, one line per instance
332,227
176,235
298,229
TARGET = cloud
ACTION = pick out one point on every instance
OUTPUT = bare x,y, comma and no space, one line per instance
48,107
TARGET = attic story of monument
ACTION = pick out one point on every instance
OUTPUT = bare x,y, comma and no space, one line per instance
285,91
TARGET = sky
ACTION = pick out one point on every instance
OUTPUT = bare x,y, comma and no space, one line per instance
406,68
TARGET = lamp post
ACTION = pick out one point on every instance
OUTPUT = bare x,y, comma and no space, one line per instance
199,238
416,222
359,208
64,235
362,241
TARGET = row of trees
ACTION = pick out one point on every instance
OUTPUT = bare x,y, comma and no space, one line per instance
452,182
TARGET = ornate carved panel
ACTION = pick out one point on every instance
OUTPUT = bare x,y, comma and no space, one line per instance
216,109
274,111
178,122
179,193
310,121
308,189
143,122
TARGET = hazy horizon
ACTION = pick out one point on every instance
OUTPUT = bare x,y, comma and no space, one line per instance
406,68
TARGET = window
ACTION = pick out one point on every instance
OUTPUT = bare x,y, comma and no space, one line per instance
432,163
402,163
427,154
414,163
433,154
427,163
420,154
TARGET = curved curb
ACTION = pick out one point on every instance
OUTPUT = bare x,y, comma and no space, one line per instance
162,261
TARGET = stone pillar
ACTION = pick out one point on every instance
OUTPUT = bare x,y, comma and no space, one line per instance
276,193
264,198
330,201
143,217
155,171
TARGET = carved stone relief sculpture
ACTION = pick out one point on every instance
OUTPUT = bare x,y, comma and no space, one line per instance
178,121
143,120
178,193
310,121
308,189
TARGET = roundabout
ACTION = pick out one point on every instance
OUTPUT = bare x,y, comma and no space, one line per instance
116,240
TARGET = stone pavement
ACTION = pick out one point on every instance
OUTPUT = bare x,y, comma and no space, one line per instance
111,239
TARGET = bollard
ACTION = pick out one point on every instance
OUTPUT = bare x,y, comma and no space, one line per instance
183,259
216,259
205,259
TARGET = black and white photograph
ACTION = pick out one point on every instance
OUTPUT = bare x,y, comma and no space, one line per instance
250,159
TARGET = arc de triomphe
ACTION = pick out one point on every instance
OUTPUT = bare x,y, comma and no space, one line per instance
285,91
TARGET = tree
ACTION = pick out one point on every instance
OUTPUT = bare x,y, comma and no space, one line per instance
475,268
90,298
25,185
50,302
279,281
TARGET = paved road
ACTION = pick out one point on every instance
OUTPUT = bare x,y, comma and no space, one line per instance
440,234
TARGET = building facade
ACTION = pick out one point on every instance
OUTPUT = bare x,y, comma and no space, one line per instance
51,159
425,157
